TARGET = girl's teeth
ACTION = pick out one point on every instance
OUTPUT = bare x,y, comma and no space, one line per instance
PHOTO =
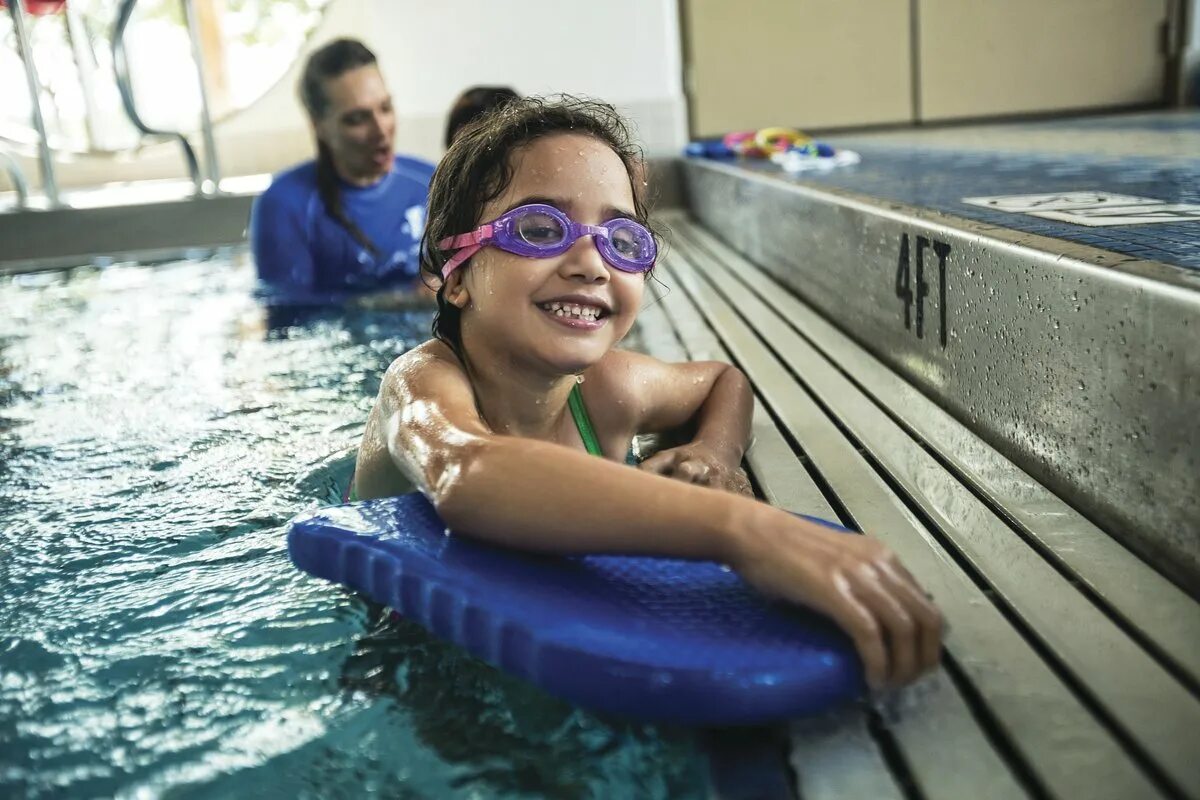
572,310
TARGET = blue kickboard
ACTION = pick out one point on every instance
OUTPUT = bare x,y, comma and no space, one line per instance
654,639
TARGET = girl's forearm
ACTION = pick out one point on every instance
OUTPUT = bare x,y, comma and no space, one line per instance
540,496
723,422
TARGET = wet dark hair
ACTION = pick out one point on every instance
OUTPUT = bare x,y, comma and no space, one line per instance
473,103
337,57
478,168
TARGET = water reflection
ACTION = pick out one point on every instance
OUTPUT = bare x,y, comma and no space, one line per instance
154,637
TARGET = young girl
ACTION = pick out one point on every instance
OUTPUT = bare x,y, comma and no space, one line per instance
538,235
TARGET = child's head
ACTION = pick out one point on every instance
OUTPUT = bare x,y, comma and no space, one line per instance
474,103
574,155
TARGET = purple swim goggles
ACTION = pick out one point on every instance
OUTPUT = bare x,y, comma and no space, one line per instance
541,231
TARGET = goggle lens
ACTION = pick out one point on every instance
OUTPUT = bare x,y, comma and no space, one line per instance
539,229
630,240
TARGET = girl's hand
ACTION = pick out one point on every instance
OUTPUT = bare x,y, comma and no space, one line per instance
855,580
697,463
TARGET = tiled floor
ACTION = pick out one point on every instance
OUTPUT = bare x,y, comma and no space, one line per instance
1151,155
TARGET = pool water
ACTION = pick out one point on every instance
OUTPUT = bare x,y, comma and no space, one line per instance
156,434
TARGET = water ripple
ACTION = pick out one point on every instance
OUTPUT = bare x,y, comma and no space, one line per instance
154,638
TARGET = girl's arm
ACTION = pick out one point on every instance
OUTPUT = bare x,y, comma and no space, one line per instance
713,397
545,497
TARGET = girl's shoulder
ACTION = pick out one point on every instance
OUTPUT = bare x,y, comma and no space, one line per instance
649,394
620,385
425,368
430,351
625,369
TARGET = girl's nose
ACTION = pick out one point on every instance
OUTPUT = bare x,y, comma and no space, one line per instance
583,262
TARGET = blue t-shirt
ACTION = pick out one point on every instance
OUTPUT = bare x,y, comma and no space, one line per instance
304,256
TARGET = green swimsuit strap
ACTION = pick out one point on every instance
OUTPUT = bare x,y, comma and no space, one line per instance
583,422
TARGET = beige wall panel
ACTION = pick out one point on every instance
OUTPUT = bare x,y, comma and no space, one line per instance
991,57
808,63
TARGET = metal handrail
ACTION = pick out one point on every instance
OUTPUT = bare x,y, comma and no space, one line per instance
210,144
16,9
17,175
125,86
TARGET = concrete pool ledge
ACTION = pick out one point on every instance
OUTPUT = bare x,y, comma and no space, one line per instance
1075,362
118,223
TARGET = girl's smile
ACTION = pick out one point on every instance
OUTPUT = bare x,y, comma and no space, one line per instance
577,311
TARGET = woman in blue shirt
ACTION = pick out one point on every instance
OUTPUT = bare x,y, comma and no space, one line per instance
349,222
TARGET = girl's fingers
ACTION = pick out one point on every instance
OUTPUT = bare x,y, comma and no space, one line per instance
923,612
692,471
662,463
901,630
690,467
677,464
861,625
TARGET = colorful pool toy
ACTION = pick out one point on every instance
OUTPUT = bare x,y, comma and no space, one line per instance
794,151
742,143
814,156
779,140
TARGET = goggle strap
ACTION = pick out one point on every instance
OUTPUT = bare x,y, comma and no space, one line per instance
459,258
470,242
478,236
